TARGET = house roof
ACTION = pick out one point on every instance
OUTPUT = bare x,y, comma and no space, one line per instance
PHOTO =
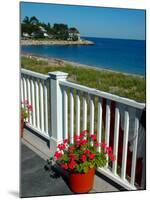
26,34
42,29
73,30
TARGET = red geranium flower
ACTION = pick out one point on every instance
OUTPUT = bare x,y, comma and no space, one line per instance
83,142
57,154
76,137
91,156
87,151
72,164
83,158
77,142
65,141
83,151
93,136
97,144
71,148
103,145
83,133
72,156
26,101
108,150
61,146
30,107
64,166
112,157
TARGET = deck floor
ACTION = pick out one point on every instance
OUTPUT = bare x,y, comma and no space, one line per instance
36,181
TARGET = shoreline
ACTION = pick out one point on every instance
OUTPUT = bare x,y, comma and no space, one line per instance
61,62
55,42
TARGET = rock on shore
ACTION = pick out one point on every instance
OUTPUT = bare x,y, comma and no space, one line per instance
55,42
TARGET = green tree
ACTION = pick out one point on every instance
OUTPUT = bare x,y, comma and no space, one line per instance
26,20
60,31
33,25
34,21
29,25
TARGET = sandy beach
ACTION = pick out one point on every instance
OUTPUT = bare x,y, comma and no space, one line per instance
56,62
55,42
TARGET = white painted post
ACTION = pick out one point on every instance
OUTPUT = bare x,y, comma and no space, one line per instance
56,109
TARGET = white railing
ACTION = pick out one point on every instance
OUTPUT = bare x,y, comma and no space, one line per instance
73,108
34,88
126,110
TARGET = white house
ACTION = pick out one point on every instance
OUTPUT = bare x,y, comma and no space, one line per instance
26,35
73,34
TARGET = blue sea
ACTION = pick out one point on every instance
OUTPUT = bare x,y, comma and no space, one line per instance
115,54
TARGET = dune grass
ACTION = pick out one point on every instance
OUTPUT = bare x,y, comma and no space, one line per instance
124,85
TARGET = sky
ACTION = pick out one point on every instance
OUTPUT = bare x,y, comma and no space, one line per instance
90,21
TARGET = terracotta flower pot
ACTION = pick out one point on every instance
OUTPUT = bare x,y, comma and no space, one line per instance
81,183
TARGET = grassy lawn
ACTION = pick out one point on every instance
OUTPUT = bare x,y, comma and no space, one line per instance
129,86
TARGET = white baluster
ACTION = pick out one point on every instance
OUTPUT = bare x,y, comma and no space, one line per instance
42,105
107,129
116,137
134,152
84,112
37,104
21,92
46,106
125,145
78,113
71,115
91,114
29,97
24,88
99,122
33,103
65,113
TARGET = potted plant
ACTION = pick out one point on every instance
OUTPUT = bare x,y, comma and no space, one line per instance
81,159
26,110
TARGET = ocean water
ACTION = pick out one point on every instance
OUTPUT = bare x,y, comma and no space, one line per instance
115,54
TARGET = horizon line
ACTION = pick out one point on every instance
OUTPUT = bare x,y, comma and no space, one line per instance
112,38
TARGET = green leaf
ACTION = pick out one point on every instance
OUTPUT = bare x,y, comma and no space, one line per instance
85,169
91,166
64,158
51,158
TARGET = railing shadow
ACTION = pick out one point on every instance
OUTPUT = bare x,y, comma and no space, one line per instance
56,172
39,136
